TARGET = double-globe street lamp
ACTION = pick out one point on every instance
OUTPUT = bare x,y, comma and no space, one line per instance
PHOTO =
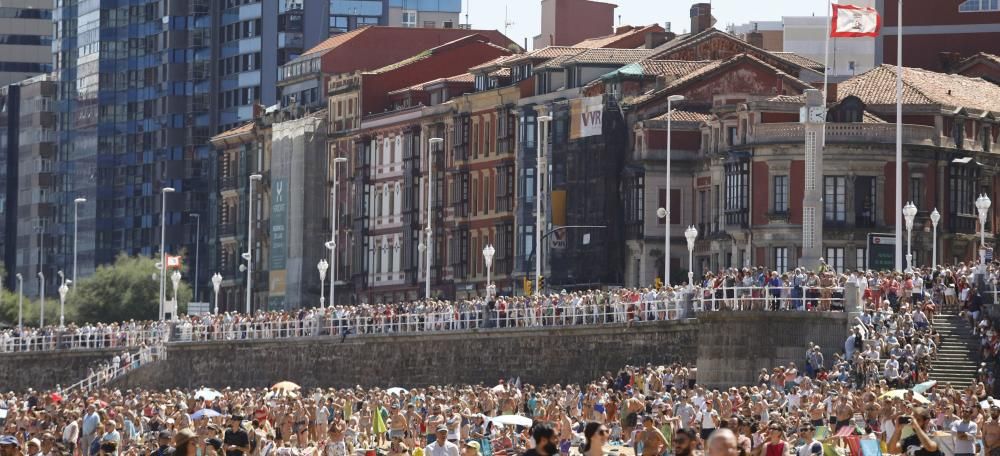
691,233
216,284
488,253
983,206
935,218
909,213
322,266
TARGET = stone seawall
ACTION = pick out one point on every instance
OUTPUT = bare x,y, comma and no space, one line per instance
734,347
730,349
45,370
537,355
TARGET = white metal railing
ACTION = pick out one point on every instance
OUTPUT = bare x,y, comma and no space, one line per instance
126,364
783,298
72,340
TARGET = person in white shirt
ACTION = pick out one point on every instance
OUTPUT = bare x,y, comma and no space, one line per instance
71,433
441,446
965,431
807,434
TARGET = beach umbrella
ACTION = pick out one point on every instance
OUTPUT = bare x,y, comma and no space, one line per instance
396,391
205,413
207,394
901,394
924,387
512,420
285,386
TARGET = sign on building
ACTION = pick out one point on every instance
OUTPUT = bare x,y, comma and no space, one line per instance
558,239
881,252
279,244
198,308
586,116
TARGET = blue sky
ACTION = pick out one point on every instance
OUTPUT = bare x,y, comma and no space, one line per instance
526,14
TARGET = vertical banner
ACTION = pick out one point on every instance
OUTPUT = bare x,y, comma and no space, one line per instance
586,116
279,243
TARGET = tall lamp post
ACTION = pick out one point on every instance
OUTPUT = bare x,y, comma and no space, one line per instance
20,304
488,253
935,218
664,212
691,233
249,253
983,206
322,267
197,252
216,284
909,212
62,297
63,289
76,217
41,304
429,231
332,245
163,243
543,139
175,279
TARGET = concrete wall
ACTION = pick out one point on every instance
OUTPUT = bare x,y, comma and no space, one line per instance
730,349
536,355
19,371
734,347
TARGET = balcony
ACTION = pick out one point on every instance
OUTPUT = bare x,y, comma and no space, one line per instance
848,133
227,183
227,230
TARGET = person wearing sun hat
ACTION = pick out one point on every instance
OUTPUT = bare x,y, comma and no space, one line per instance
471,448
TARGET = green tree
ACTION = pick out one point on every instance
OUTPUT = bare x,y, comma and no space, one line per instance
9,307
127,289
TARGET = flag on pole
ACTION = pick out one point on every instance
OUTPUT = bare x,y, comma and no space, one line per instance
851,21
173,262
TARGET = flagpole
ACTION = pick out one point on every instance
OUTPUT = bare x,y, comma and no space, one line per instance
899,138
826,58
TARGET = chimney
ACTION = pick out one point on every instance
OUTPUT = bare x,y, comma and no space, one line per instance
654,39
949,61
701,17
624,29
755,38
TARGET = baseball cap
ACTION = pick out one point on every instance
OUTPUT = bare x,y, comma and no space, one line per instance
35,442
8,440
216,443
442,428
473,444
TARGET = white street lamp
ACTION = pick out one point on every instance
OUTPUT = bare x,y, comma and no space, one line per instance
332,245
62,296
666,212
691,233
540,145
197,252
249,253
76,212
163,243
175,278
322,267
216,284
935,218
983,206
41,305
20,304
488,253
428,230
909,212
63,289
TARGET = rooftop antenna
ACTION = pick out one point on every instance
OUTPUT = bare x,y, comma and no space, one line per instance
469,24
507,23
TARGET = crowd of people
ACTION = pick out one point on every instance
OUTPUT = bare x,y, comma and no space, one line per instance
750,288
871,397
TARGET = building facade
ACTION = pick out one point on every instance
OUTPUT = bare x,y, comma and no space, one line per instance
26,41
567,22
936,34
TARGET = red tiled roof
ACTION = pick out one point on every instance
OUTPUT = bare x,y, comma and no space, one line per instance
464,77
685,116
878,87
609,56
800,60
437,49
544,53
671,67
245,128
493,64
611,40
334,41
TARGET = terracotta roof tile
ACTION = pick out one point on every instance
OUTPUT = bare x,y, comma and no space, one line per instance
556,62
878,87
800,60
788,99
426,54
685,116
610,40
609,56
245,128
493,64
333,42
671,67
544,53
868,117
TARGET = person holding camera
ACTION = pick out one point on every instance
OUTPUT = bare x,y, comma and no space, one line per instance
919,443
